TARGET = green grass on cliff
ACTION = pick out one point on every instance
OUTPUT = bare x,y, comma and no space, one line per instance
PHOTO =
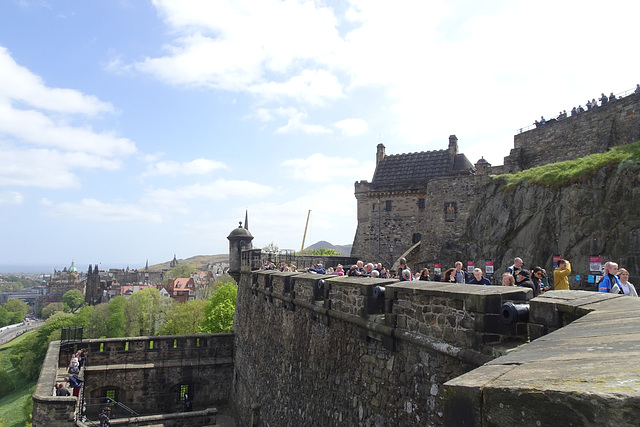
12,405
556,175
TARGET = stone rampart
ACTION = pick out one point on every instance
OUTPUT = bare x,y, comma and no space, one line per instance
149,375
583,374
577,136
338,350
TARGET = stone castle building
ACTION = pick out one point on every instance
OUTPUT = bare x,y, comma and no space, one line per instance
424,206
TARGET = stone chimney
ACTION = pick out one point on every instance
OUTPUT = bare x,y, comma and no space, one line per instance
453,145
380,154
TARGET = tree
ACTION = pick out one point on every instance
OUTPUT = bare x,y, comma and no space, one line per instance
73,299
325,252
271,247
17,309
181,270
144,312
219,311
184,318
51,308
117,320
204,292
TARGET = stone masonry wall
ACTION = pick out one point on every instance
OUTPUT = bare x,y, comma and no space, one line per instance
594,131
397,228
318,350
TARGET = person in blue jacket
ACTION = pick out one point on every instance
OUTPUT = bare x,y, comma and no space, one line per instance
478,278
610,278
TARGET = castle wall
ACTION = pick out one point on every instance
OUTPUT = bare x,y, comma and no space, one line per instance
318,350
594,131
448,202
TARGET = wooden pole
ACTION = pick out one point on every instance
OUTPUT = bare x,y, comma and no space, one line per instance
304,236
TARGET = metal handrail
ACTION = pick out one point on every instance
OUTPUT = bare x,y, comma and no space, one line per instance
619,95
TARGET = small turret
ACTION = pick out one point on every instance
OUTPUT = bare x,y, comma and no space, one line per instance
239,240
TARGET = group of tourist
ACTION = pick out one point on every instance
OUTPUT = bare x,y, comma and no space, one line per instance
75,382
593,103
614,280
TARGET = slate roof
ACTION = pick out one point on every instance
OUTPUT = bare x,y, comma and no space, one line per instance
420,167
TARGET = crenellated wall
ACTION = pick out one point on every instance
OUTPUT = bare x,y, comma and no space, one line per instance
594,131
320,350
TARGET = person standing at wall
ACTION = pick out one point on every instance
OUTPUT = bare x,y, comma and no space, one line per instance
561,275
609,279
625,287
515,268
461,276
478,278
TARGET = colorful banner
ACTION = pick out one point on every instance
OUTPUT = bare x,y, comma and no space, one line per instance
470,266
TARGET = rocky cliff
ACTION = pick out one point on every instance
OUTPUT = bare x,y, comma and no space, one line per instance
597,216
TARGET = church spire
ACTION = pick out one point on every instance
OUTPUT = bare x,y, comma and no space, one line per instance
246,219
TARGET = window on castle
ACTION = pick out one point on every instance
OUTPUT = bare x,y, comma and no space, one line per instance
450,211
421,204
183,391
111,394
388,206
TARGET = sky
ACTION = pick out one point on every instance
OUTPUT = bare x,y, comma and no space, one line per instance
133,130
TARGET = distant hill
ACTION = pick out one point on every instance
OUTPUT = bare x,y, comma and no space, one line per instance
345,250
201,261
198,261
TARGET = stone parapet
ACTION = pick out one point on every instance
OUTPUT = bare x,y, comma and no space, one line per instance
582,374
323,350
49,409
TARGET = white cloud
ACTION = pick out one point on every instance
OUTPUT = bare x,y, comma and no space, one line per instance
321,168
92,210
11,198
313,87
38,144
47,168
20,84
180,199
194,167
352,127
295,124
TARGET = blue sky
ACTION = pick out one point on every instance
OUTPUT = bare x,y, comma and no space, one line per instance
133,130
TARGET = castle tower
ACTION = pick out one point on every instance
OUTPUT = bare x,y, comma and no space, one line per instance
239,240
482,167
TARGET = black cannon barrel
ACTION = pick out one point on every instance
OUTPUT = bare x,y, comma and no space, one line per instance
513,313
320,284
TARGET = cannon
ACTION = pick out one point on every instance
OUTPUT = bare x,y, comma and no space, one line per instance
513,313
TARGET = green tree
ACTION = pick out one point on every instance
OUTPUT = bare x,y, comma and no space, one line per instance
325,252
181,270
144,312
52,308
271,247
204,292
6,383
73,298
184,318
219,311
116,321
5,317
17,309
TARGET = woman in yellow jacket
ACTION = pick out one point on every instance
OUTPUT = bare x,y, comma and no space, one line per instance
561,275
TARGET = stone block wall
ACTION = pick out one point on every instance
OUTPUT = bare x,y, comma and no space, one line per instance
582,374
320,350
594,131
448,202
